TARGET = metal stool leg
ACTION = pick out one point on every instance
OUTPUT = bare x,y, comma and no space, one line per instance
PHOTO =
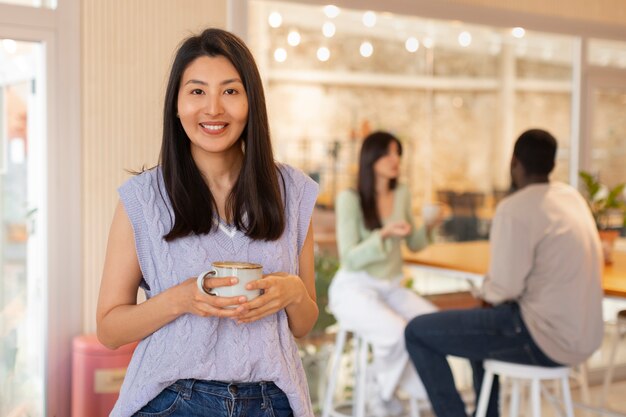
485,392
535,395
414,409
361,384
340,342
567,398
608,376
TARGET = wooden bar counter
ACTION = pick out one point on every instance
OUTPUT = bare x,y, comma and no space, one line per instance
473,257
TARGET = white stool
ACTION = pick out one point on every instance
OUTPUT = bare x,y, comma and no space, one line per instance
517,372
361,351
620,331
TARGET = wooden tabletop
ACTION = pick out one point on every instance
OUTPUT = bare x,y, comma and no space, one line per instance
474,257
614,276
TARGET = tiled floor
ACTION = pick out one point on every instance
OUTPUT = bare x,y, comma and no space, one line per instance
615,404
616,399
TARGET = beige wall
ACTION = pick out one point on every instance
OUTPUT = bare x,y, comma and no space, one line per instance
126,51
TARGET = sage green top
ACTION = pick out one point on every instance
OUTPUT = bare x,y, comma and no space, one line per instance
361,249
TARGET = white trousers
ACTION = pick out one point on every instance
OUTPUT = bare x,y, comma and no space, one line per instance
378,310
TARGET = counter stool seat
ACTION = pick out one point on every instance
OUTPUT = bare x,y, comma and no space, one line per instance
517,372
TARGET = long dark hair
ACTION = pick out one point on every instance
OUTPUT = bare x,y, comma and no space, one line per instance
375,146
255,203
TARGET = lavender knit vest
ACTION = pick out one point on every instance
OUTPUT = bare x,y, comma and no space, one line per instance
213,348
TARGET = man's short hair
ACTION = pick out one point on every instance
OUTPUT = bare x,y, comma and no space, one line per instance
536,149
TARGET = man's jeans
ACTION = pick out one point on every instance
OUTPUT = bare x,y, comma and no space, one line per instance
477,334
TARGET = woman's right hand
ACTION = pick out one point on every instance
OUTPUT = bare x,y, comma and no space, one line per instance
399,228
189,299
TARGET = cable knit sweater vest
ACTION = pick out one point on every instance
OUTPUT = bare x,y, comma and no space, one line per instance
213,348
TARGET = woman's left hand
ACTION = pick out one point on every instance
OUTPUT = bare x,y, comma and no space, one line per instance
279,290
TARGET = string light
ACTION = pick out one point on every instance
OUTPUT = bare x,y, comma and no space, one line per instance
331,11
280,55
323,54
328,29
369,19
275,20
428,42
412,44
465,39
518,32
293,38
366,49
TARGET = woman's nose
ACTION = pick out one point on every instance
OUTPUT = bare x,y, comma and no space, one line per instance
213,106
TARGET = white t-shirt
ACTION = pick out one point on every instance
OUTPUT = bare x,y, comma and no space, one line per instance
546,255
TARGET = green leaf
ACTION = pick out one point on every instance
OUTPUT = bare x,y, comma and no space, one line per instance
612,200
591,184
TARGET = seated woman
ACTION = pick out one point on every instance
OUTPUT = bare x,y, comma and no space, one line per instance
365,295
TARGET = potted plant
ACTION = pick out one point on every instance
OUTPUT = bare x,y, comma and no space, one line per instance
608,208
315,349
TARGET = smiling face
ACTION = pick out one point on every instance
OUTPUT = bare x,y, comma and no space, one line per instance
212,106
388,165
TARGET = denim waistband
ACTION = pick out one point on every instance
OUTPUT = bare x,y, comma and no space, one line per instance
234,390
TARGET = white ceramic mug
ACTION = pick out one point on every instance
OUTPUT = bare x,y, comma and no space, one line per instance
244,271
430,212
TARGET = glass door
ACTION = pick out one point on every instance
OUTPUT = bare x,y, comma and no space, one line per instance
22,256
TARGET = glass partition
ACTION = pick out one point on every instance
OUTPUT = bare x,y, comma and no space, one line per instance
607,53
608,134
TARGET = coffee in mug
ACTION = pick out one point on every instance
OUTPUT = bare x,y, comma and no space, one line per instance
246,272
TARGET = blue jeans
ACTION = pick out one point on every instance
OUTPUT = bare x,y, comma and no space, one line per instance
196,398
476,334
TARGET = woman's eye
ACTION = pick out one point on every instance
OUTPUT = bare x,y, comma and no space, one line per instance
197,91
230,91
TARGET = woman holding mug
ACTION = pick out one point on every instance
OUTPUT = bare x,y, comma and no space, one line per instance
365,295
216,195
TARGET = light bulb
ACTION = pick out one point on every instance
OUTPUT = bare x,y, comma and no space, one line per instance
369,19
366,49
331,11
518,32
280,55
293,38
328,29
275,19
412,44
323,54
465,39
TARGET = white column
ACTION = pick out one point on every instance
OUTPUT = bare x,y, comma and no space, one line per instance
503,144
580,113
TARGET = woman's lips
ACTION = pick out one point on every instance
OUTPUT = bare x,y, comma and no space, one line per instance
213,128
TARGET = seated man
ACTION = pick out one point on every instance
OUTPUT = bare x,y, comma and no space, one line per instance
543,286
